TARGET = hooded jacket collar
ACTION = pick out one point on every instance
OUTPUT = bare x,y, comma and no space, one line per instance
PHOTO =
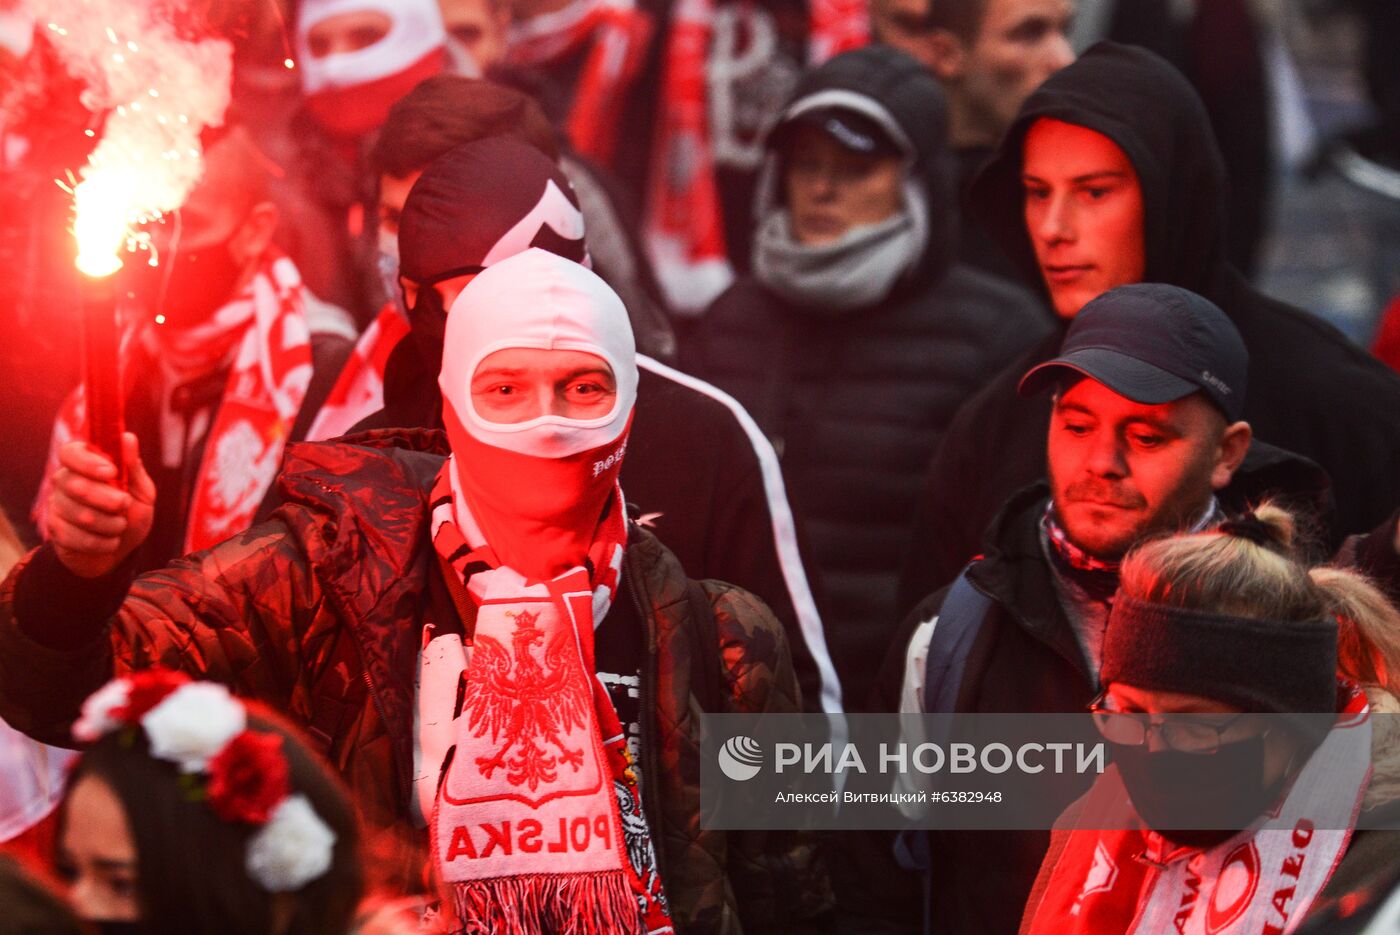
1151,112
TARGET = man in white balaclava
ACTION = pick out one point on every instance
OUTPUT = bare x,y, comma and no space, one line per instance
469,624
358,57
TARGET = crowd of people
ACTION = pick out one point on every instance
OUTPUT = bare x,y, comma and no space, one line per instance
521,380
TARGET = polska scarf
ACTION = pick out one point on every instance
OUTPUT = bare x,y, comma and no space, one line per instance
267,383
618,34
527,822
1257,881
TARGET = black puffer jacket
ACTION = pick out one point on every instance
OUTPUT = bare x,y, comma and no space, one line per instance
855,401
1310,390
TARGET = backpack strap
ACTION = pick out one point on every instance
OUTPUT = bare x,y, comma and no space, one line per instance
960,619
706,661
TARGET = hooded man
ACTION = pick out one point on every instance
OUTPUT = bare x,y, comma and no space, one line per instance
1146,438
1111,176
702,477
230,361
989,55
469,624
856,337
449,110
356,58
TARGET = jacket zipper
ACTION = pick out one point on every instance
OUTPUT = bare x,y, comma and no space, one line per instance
651,773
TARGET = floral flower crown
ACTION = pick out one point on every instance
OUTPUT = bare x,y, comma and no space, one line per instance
243,775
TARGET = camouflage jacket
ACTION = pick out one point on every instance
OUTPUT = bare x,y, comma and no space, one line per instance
319,611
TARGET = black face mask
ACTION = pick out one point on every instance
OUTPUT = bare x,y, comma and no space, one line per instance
106,927
1198,799
190,286
428,321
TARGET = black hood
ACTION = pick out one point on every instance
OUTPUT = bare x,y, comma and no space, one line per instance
889,86
1149,109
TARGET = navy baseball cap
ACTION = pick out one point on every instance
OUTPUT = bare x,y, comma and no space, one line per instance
851,129
1154,344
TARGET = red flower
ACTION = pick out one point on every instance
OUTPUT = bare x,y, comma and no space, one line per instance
248,778
148,689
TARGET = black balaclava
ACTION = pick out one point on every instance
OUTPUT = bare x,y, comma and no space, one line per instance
1152,113
478,204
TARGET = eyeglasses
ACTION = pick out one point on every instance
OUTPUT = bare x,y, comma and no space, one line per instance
1181,732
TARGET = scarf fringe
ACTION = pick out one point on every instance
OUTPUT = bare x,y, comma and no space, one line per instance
566,904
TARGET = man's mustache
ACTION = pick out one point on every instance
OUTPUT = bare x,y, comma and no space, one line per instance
1095,491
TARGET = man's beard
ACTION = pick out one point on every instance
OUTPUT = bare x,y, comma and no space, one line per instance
1110,544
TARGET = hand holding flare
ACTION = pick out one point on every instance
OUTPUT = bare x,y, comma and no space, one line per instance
94,524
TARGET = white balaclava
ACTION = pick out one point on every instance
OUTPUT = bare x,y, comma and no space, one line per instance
350,93
536,489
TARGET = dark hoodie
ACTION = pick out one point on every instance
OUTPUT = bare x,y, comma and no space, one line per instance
1310,390
856,399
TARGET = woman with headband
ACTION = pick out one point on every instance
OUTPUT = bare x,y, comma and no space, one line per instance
1239,688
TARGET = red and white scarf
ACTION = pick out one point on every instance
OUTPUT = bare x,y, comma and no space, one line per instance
619,34
359,390
527,823
684,222
267,383
1259,882
836,26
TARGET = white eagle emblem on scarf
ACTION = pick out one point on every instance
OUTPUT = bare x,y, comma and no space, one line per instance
532,705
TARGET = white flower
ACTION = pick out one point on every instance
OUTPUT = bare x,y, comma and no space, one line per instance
292,849
97,720
193,723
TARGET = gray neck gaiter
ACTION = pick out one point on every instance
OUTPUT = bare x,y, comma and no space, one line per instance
857,271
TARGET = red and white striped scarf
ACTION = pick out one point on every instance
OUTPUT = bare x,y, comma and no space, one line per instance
836,26
684,223
266,386
526,821
1258,881
359,390
619,34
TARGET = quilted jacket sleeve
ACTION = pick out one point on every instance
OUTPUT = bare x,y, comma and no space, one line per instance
778,878
237,613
